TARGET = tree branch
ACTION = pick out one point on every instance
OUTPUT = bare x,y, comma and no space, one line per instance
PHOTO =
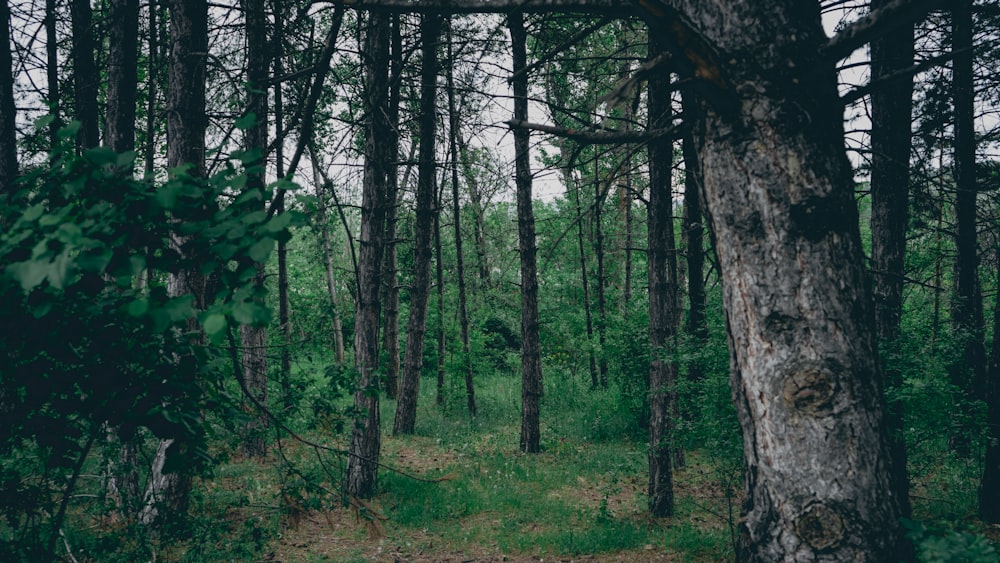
598,7
594,137
884,20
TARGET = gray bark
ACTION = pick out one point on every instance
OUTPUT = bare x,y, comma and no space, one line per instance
416,327
362,464
805,373
890,177
531,360
662,277
85,75
123,38
8,114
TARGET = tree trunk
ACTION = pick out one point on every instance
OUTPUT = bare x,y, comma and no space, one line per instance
254,337
439,267
361,480
152,87
416,327
327,250
662,277
967,303
476,201
692,233
8,114
805,373
890,177
463,309
185,146
85,75
600,283
123,39
531,360
585,285
52,70
390,289
285,356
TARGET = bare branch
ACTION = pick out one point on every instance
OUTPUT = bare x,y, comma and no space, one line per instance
884,20
595,137
597,7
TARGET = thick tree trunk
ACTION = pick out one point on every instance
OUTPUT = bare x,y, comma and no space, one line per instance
967,303
8,115
123,38
463,308
390,288
362,464
531,357
85,75
186,124
805,373
253,337
416,327
662,277
890,178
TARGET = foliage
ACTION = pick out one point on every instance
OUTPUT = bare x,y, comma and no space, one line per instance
87,350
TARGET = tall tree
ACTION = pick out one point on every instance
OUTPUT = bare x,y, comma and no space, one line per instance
186,123
8,113
778,190
891,101
416,326
600,190
531,357
284,322
692,233
362,464
123,39
254,337
85,75
967,301
662,276
390,289
52,69
463,308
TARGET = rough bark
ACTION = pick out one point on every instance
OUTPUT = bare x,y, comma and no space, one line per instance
463,307
85,75
531,360
186,123
890,177
416,327
967,301
123,38
8,140
361,479
152,88
806,378
254,337
439,272
662,277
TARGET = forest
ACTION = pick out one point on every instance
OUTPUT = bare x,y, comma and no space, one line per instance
500,280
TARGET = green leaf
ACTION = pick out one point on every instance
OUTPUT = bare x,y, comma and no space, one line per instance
30,273
249,195
278,223
33,212
246,122
214,324
101,156
125,159
261,249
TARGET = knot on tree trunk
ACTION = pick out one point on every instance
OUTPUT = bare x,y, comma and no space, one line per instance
820,526
810,387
